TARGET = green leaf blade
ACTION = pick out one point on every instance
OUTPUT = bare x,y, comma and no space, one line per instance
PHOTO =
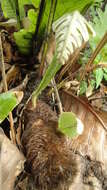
50,73
67,124
21,7
9,8
32,16
99,76
23,40
8,101
83,87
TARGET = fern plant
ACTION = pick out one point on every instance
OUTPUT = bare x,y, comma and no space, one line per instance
9,8
71,30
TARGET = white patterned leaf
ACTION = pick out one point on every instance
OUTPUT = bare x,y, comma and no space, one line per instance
71,31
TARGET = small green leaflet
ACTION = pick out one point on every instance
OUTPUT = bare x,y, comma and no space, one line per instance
9,8
23,37
8,101
105,70
23,40
105,73
99,76
67,124
83,87
105,76
21,4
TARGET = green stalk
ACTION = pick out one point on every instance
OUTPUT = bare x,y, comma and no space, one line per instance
40,16
18,16
50,73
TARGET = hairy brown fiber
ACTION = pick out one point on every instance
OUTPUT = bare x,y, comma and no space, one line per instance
49,157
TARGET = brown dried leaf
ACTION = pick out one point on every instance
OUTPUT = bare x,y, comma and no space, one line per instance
7,51
97,99
93,141
10,76
50,50
11,162
7,67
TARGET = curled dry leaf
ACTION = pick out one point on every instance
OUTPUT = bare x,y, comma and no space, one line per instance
89,91
18,95
11,75
74,85
92,141
7,67
50,51
7,51
11,162
98,98
22,86
9,23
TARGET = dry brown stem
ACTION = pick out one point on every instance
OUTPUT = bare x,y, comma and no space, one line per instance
6,89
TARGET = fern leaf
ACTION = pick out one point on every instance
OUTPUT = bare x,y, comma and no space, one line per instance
9,8
23,38
21,7
71,31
